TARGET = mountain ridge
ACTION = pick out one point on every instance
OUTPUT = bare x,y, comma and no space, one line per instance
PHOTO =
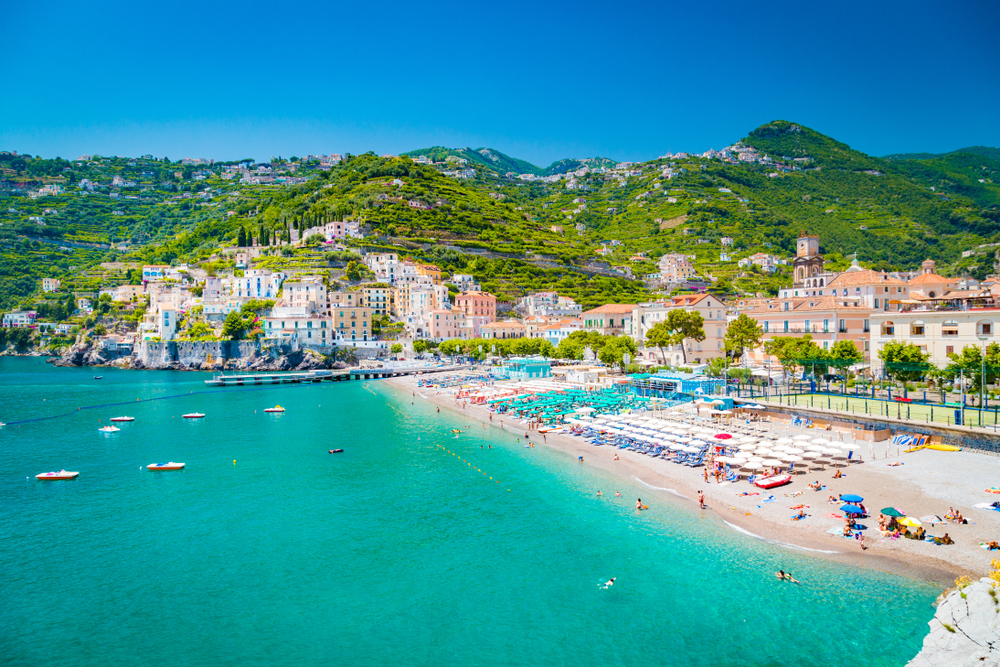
985,151
502,163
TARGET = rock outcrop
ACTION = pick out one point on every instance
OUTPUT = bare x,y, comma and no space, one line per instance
82,353
965,630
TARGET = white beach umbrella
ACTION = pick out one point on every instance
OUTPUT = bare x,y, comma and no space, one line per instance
791,458
754,459
751,465
820,441
784,441
747,447
812,455
800,437
773,462
793,450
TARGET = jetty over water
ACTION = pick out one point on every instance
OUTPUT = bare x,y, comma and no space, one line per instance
315,376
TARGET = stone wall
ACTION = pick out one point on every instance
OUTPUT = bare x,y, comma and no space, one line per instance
190,353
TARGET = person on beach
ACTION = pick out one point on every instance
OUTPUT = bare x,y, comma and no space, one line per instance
701,499
616,456
706,475
838,474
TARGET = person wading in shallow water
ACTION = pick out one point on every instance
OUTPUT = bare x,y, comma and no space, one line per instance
701,499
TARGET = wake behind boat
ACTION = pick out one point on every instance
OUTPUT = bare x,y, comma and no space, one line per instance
62,474
123,419
193,415
109,429
170,465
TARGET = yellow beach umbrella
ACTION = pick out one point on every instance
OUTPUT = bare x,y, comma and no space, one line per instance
909,521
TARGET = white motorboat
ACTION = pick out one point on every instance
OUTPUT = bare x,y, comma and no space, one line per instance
276,408
170,465
193,415
109,429
123,419
62,474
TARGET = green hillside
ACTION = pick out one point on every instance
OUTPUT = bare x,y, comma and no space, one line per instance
984,151
514,236
500,163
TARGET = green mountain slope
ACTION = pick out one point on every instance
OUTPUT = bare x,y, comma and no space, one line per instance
491,158
512,235
985,151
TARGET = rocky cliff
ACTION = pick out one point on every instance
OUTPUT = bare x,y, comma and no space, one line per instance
965,630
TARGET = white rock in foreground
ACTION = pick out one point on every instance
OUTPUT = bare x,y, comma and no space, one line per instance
974,637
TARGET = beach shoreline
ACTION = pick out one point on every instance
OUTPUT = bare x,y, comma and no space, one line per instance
938,565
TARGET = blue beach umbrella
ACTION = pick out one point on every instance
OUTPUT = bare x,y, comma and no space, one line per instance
852,509
850,498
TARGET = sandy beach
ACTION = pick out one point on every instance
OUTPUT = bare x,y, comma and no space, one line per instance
927,482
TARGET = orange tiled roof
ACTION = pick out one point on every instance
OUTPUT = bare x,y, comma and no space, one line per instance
611,309
864,277
931,279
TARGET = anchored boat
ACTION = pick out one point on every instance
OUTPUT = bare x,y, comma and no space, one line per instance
109,429
193,415
123,419
170,465
62,474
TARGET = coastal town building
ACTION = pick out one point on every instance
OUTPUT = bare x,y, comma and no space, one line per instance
676,268
479,309
301,325
352,324
379,297
609,319
154,272
50,285
444,324
929,284
257,284
503,330
19,318
713,312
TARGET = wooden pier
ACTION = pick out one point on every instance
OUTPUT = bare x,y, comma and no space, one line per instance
316,376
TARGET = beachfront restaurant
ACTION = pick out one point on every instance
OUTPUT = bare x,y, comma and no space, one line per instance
522,368
667,383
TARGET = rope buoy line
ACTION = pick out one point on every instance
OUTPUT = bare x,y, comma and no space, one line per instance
143,400
468,463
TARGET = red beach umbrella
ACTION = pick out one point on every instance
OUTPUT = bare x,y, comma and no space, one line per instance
723,436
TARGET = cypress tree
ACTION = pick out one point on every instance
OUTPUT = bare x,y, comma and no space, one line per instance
241,238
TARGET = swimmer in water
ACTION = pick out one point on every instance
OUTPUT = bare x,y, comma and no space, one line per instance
610,582
598,494
618,494
638,503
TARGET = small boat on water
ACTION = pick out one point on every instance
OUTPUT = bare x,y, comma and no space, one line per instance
62,474
276,408
336,451
456,430
98,377
773,481
123,419
170,465
193,415
109,429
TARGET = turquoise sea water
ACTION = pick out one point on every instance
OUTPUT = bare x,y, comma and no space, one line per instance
395,552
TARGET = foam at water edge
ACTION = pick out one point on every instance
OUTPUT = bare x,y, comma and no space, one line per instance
787,545
660,488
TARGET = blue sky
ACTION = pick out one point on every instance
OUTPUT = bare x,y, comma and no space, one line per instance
539,81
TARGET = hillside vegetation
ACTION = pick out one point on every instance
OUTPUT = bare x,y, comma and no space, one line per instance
514,235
